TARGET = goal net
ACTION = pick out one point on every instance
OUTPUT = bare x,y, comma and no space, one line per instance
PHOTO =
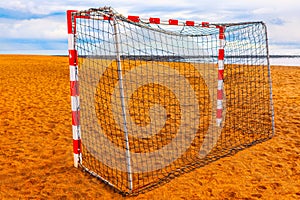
152,99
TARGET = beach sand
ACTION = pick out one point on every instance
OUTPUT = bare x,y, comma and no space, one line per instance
36,152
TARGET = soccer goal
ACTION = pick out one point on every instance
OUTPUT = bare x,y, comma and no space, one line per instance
152,98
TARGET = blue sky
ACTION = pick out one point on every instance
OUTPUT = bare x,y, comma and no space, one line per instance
39,27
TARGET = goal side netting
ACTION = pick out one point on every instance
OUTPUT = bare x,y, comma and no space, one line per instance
152,99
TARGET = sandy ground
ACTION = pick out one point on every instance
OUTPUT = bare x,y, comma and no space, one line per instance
36,152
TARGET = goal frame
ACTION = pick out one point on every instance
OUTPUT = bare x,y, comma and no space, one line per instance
74,81
73,62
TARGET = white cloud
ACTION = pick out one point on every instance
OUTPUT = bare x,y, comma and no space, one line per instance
287,33
46,28
13,4
32,6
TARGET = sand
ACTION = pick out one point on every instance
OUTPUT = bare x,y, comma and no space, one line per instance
36,153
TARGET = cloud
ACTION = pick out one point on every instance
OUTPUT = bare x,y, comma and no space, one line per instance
35,28
32,6
277,21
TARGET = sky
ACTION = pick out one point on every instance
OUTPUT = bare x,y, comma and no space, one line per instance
39,27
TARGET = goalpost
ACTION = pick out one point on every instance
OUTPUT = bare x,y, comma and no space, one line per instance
152,99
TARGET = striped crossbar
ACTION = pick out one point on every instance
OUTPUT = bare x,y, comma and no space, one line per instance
151,20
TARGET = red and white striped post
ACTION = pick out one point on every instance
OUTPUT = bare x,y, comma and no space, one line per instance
220,92
73,63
